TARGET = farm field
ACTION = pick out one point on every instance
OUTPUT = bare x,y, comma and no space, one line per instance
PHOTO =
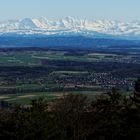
28,73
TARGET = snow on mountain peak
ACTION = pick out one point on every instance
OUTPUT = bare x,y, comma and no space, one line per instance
27,23
72,26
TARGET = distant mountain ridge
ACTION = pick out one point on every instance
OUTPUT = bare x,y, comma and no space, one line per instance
62,42
72,27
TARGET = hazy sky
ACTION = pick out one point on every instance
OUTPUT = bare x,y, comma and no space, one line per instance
90,9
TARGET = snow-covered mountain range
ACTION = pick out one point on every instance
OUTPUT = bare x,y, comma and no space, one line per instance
70,26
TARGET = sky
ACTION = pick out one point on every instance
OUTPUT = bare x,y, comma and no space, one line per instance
125,10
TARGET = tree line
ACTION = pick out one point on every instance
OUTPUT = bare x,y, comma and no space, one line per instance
110,116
